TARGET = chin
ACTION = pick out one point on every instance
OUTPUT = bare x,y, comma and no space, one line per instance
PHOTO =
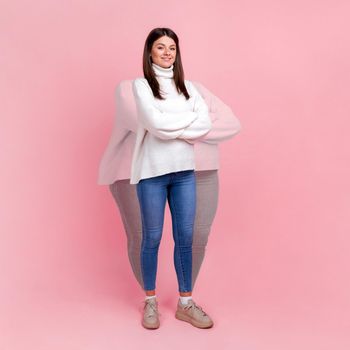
165,63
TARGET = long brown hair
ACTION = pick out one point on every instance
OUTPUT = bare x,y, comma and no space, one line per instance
148,72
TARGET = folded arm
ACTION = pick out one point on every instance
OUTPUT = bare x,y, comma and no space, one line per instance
164,125
224,122
202,125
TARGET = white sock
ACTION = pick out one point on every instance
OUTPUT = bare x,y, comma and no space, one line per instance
184,300
149,296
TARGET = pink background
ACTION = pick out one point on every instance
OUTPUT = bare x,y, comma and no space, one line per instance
276,273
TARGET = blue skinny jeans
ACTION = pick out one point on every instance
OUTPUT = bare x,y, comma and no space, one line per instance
180,190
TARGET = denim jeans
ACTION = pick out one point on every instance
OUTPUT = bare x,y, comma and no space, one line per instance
180,190
125,197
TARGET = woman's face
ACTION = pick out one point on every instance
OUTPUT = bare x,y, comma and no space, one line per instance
164,51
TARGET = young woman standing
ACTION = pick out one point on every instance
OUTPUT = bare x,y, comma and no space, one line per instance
171,115
115,168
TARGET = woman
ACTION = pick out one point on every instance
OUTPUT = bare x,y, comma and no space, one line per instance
115,164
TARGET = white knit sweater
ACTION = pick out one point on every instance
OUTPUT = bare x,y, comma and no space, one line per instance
166,126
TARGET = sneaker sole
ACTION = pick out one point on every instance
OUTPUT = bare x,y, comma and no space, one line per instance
193,322
150,326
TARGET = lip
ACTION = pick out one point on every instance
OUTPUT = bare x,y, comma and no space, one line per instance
166,59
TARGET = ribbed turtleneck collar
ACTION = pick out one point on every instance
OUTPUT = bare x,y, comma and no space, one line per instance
163,72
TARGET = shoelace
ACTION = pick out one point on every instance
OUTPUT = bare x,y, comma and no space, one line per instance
194,305
152,306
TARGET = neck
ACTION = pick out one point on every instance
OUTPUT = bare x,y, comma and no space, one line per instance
163,72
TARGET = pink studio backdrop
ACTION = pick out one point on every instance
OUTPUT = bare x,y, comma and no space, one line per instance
276,273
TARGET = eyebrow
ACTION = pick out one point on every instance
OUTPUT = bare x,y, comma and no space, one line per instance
164,45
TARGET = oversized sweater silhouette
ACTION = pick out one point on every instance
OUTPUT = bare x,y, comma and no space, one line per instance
116,160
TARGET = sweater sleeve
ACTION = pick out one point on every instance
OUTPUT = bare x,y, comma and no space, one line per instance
225,124
164,125
202,125
126,114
